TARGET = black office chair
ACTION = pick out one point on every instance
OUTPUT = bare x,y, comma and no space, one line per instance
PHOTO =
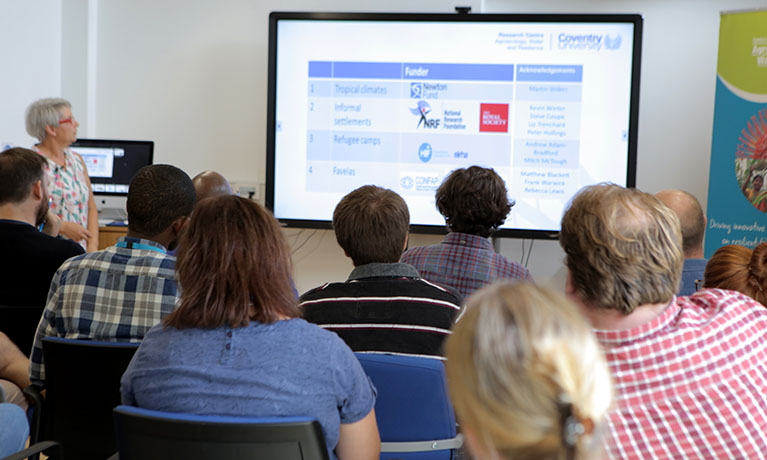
153,435
82,383
20,325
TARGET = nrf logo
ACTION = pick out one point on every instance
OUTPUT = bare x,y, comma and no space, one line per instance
423,108
494,118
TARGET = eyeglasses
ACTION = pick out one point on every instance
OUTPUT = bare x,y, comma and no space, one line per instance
67,120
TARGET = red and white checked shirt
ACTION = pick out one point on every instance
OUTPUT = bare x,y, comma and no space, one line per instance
692,383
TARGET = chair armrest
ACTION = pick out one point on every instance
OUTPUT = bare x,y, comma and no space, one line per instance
423,446
35,449
36,400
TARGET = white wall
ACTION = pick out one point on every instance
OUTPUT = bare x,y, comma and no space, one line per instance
30,62
191,75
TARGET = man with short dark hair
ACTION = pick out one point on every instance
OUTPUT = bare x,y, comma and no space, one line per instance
474,203
693,222
118,293
690,372
384,306
31,256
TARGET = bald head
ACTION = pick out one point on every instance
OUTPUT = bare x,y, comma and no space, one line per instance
210,184
691,217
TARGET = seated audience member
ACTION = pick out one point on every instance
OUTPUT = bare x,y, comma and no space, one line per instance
739,268
690,372
474,203
693,222
14,429
384,305
14,373
120,292
210,184
236,346
526,376
36,255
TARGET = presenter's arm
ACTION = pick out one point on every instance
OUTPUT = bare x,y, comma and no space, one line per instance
359,440
14,366
93,214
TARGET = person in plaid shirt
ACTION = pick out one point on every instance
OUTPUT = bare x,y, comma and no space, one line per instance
474,202
690,372
118,293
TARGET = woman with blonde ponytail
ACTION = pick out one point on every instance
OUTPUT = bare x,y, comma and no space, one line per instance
527,378
739,268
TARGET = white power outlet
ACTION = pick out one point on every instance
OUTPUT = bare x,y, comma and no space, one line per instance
250,190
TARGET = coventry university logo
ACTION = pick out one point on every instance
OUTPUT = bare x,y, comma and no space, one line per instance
423,108
612,43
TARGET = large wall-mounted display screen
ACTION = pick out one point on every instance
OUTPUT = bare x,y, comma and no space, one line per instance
549,101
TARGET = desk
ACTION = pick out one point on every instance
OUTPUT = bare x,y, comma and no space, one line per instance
108,235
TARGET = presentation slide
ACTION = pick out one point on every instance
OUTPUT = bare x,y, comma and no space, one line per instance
401,104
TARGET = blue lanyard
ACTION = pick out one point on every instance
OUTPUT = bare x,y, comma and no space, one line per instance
132,245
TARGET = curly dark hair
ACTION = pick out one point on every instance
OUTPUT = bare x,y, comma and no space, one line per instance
473,200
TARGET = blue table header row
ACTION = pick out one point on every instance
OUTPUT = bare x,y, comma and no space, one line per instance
411,71
425,71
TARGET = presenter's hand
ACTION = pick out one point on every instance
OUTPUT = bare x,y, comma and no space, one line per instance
75,231
52,224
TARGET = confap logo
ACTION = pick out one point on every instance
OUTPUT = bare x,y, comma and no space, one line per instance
494,118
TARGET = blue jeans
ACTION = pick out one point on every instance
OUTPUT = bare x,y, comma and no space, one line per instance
14,429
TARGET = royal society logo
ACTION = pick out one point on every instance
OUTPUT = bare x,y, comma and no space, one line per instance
425,152
423,108
588,42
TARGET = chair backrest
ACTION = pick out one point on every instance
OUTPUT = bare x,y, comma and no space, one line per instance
414,414
20,325
82,380
153,435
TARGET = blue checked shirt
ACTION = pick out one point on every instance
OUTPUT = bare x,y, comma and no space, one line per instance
112,295
463,262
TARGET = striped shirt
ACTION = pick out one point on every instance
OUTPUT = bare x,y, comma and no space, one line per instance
113,295
692,383
463,262
385,308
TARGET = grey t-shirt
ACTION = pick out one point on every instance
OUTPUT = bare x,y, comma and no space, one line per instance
287,368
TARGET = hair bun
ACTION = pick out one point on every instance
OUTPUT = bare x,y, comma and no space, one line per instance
757,266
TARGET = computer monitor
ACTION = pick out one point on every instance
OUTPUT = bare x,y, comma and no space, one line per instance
111,166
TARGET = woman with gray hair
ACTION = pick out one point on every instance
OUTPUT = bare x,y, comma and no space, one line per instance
51,122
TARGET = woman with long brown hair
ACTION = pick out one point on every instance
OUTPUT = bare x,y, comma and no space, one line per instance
739,268
236,345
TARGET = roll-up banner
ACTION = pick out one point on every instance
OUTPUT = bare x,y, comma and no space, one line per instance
737,190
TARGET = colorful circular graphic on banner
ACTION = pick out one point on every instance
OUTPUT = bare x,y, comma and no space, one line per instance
751,160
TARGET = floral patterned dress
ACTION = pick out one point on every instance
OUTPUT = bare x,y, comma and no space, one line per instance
68,189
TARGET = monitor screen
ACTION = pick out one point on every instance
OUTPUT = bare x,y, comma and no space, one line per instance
550,102
112,164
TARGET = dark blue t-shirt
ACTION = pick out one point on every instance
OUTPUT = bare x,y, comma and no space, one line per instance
288,368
